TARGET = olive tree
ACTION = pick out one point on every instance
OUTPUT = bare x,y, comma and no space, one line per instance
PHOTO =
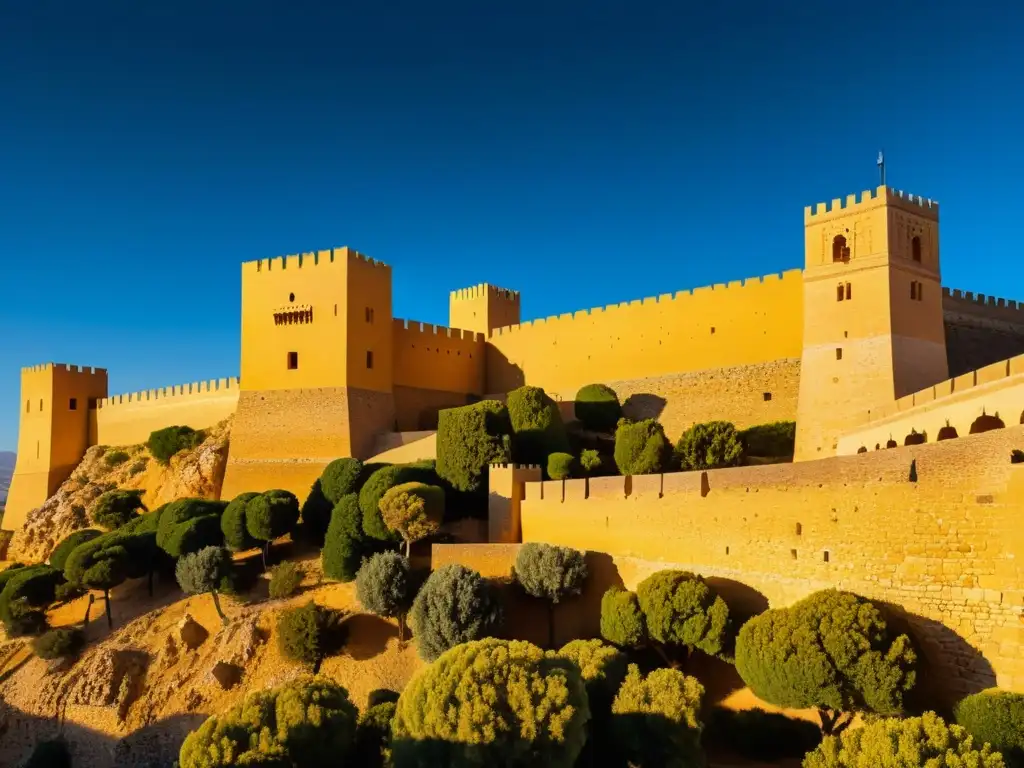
307,721
492,702
201,572
455,605
383,586
832,651
413,510
551,574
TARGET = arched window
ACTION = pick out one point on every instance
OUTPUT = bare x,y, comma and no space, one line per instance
839,250
915,248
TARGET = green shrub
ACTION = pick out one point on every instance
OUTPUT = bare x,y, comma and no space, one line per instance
492,702
384,587
58,643
598,407
756,735
316,515
340,478
537,428
774,440
560,466
285,579
640,447
53,753
201,572
995,717
302,633
137,467
924,741
379,483
232,524
345,543
655,719
469,440
602,667
165,443
831,651
590,461
712,445
116,508
455,605
176,534
66,592
271,515
622,621
305,722
115,458
60,553
680,609
551,574
414,511
25,596
373,735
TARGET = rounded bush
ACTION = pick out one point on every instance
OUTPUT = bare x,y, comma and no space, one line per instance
373,735
537,428
383,585
315,514
285,579
58,643
775,440
550,572
455,605
492,702
345,543
165,443
307,721
590,461
469,440
340,478
232,524
622,621
301,633
271,515
379,483
116,508
115,458
680,608
713,445
25,596
995,717
598,408
560,466
179,512
414,511
193,535
602,667
60,553
640,447
914,741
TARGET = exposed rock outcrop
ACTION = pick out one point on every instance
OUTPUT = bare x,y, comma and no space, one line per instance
195,473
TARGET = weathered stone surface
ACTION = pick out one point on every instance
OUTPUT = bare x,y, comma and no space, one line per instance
226,675
191,633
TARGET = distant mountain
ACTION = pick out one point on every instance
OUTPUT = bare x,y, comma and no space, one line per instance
6,470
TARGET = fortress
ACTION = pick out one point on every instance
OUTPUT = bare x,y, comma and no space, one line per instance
863,348
893,493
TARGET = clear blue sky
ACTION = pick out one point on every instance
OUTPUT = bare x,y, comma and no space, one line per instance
583,152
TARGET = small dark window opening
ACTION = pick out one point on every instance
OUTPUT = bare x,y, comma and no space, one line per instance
839,250
727,550
840,293
920,291
73,404
369,359
291,297
293,361
335,310
40,404
849,291
712,329
799,529
913,290
839,353
767,396
792,553
369,314
915,248
28,408
825,555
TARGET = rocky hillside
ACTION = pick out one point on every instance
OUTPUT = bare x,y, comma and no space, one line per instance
6,470
195,473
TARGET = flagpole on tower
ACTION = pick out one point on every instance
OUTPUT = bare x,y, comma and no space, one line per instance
881,167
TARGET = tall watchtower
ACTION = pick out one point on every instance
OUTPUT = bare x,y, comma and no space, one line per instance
57,425
482,308
873,328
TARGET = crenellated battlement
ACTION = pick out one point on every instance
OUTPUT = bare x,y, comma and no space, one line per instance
310,259
65,368
515,466
870,198
229,385
981,299
733,287
429,329
485,289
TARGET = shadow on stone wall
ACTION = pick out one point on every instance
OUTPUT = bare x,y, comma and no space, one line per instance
948,667
643,406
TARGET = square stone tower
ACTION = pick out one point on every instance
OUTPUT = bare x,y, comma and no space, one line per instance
873,328
482,308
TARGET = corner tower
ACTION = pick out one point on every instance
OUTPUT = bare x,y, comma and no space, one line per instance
873,328
482,308
57,425
316,368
